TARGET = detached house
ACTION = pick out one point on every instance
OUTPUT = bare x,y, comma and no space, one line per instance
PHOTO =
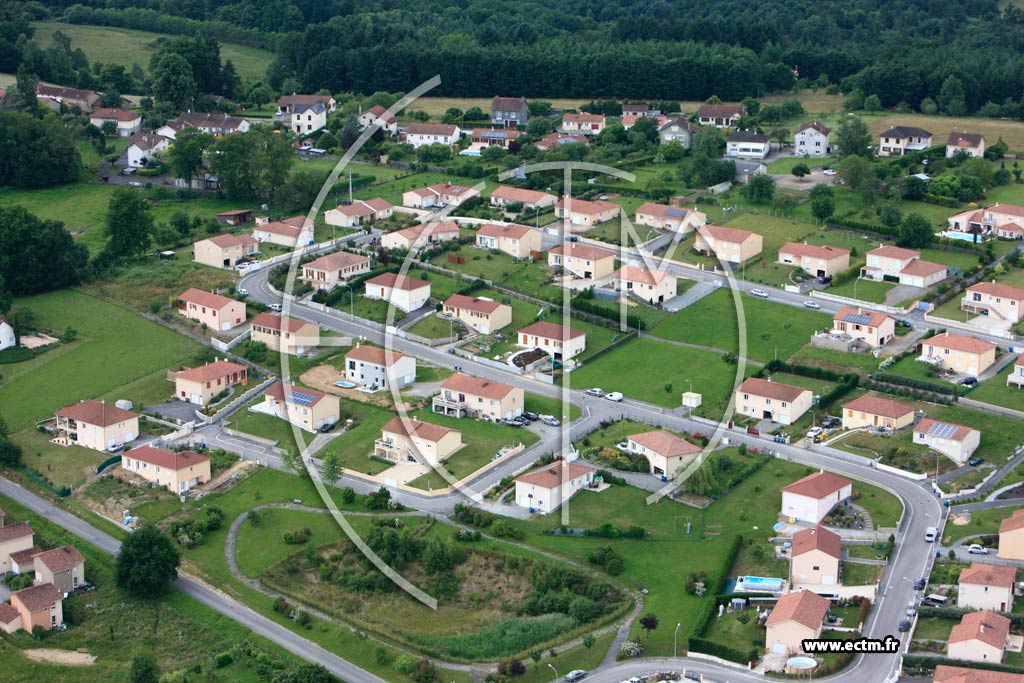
561,343
64,567
1011,536
971,144
1016,376
179,471
288,104
999,301
466,396
721,115
482,315
959,353
795,618
583,261
376,114
85,100
902,265
814,557
421,236
666,453
811,499
952,440
142,147
372,366
305,119
518,241
746,144
1000,220
307,409
213,310
553,140
504,195
677,130
987,586
359,212
125,123
281,333
900,140
811,140
585,213
403,292
289,232
544,490
650,285
509,111
587,124
200,385
674,218
873,328
819,261
41,606
436,196
764,400
731,245
506,138
14,538
96,425
7,337
327,271
979,637
214,124
413,440
225,251
419,134
875,411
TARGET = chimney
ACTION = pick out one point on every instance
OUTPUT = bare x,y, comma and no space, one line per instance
981,627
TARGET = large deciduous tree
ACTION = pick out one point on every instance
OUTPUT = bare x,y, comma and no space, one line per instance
37,255
147,562
853,138
129,227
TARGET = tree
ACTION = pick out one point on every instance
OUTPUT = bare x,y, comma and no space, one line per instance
928,106
649,622
952,97
258,94
350,132
872,103
327,141
36,152
709,143
229,80
37,255
801,170
10,453
672,151
185,156
536,656
589,640
331,469
129,227
759,189
22,97
915,232
538,126
890,214
147,563
822,207
853,138
172,79
856,172
253,164
144,669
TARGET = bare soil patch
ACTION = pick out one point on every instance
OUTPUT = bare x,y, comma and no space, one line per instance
63,657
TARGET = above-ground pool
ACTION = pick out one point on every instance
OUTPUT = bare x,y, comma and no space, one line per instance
758,584
795,665
344,384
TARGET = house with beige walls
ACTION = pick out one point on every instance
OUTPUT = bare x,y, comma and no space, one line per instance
998,220
584,214
178,471
871,327
281,333
979,637
673,218
958,674
504,195
224,251
900,140
731,245
765,400
666,453
96,425
1016,376
587,124
328,271
437,196
415,440
403,292
1011,536
518,241
811,498
796,617
467,396
544,490
200,385
307,409
359,212
875,411
478,313
583,261
956,442
814,557
64,567
41,606
14,538
647,284
559,342
819,261
1001,302
987,586
213,310
291,232
421,236
959,353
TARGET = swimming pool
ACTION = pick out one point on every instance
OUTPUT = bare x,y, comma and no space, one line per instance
962,236
345,384
758,584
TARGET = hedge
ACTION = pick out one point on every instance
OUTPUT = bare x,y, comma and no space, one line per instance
474,286
847,382
710,647
633,321
927,663
913,383
338,293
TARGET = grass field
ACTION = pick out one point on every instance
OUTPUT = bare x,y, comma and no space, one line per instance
982,522
113,45
861,363
995,390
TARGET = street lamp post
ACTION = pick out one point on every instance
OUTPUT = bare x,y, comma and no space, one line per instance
556,672
855,286
675,642
351,300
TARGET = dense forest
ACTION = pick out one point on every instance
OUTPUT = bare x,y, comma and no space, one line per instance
900,50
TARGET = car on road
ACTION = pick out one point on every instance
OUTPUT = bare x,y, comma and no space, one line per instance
904,625
911,609
328,427
241,291
812,304
274,307
975,461
830,171
813,432
550,420
975,549
594,391
920,583
615,396
969,381
759,293
575,675
532,417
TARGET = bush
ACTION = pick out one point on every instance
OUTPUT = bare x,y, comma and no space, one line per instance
223,659
296,536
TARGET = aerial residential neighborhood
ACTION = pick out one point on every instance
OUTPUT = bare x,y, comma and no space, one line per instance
442,342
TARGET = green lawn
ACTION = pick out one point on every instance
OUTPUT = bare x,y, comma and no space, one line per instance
786,165
773,330
543,405
857,574
775,231
663,374
433,327
981,522
885,509
995,390
864,290
933,628
837,361
525,275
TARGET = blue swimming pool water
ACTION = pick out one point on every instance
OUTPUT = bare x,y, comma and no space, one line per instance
962,236
758,583
345,384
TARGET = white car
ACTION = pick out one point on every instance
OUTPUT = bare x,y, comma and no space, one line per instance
813,432
594,391
274,307
812,304
975,549
614,396
759,293
830,172
242,291
550,420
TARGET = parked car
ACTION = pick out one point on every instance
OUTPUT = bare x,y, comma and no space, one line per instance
903,322
830,172
975,461
812,304
116,448
813,432
550,420
512,422
575,675
969,381
615,396
904,625
920,583
831,421
911,609
825,280
274,307
327,427
975,549
532,417
759,293
594,391
241,291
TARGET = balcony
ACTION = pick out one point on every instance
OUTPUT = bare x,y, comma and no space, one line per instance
451,407
1016,379
386,449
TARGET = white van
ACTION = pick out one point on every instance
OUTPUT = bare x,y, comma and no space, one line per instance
936,600
930,533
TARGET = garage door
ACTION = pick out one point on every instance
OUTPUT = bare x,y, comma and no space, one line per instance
779,648
828,580
196,398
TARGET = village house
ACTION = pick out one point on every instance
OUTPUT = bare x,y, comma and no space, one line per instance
959,353
530,200
376,114
923,274
372,366
544,490
721,115
746,144
561,343
819,261
126,123
1011,536
286,104
41,606
957,674
419,134
666,453
14,538
674,218
999,220
64,567
401,291
952,440
214,124
414,440
23,561
971,144
765,400
811,498
902,265
979,637
509,111
225,251
1016,376
306,119
84,100
518,241
814,557
10,618
288,232
650,285
587,124
327,271
581,212
359,212
421,235
307,409
281,333
811,140
552,140
875,411
213,310
795,618
7,337
436,196
96,425
142,147
466,396
178,471
506,138
677,130
582,260
999,301
986,586
730,245
640,110
200,385
629,120
900,140
873,328
479,314
235,217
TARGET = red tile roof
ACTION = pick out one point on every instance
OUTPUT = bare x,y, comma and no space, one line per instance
722,234
812,250
375,355
721,111
227,241
961,432
110,114
16,530
818,485
960,342
413,427
814,125
989,575
583,117
519,194
433,228
439,129
773,390
553,475
172,460
583,251
1013,522
96,413
894,252
396,281
877,319
289,227
288,100
876,405
922,268
476,386
468,303
665,444
61,559
378,111
279,322
551,331
203,298
511,231
964,139
8,613
211,371
337,261
804,607
998,290
647,276
958,674
22,557
38,598
817,538
283,392
986,626
364,208
586,207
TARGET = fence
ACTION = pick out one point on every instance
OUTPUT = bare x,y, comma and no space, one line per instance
63,492
228,345
115,460
969,327
818,294
237,403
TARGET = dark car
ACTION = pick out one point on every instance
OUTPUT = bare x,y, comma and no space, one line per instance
825,280
969,381
532,417
975,461
830,422
327,428
904,625
903,322
920,583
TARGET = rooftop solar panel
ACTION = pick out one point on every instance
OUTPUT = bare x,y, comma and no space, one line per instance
858,318
678,213
942,430
302,399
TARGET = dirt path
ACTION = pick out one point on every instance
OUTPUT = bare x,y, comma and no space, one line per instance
63,657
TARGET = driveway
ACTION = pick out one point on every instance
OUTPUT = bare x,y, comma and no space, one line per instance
901,293
175,410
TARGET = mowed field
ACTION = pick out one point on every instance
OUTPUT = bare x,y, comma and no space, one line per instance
113,45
